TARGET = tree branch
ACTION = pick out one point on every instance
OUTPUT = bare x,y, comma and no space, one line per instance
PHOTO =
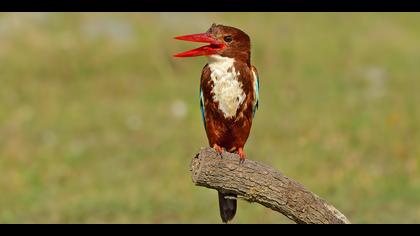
256,182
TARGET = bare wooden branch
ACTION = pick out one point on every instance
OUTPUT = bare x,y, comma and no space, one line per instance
256,182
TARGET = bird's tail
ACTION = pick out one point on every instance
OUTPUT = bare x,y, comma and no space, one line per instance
227,206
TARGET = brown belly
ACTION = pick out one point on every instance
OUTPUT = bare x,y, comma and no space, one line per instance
231,133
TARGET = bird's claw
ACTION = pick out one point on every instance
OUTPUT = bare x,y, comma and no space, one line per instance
219,150
242,156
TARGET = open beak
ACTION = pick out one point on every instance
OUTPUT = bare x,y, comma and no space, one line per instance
213,47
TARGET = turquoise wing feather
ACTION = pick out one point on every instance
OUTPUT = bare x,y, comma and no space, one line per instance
202,107
256,89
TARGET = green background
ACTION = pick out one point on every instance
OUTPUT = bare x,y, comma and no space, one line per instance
98,122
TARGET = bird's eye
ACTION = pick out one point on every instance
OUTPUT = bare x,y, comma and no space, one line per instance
228,38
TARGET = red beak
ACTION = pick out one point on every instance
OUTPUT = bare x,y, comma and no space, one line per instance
210,49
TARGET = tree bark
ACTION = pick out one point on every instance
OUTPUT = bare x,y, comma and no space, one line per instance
256,182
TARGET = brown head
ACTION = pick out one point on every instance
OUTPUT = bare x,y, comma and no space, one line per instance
225,41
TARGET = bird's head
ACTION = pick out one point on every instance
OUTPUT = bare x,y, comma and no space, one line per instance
223,40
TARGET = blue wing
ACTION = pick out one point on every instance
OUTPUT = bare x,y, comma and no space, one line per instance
202,107
205,72
256,88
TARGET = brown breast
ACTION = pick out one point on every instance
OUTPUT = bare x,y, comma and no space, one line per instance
230,132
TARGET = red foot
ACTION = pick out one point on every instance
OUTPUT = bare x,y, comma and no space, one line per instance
218,149
242,155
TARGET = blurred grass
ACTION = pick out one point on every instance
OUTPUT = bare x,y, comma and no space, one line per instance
98,122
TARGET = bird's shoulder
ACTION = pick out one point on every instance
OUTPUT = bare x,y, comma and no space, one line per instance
205,72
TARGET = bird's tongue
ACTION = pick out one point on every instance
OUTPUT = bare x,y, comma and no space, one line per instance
210,49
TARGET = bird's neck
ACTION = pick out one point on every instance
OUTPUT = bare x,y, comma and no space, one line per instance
241,57
217,61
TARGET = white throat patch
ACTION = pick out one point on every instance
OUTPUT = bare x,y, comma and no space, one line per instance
227,89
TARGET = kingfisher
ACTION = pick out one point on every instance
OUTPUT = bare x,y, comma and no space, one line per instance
229,94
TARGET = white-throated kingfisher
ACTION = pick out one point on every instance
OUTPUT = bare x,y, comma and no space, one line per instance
228,94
